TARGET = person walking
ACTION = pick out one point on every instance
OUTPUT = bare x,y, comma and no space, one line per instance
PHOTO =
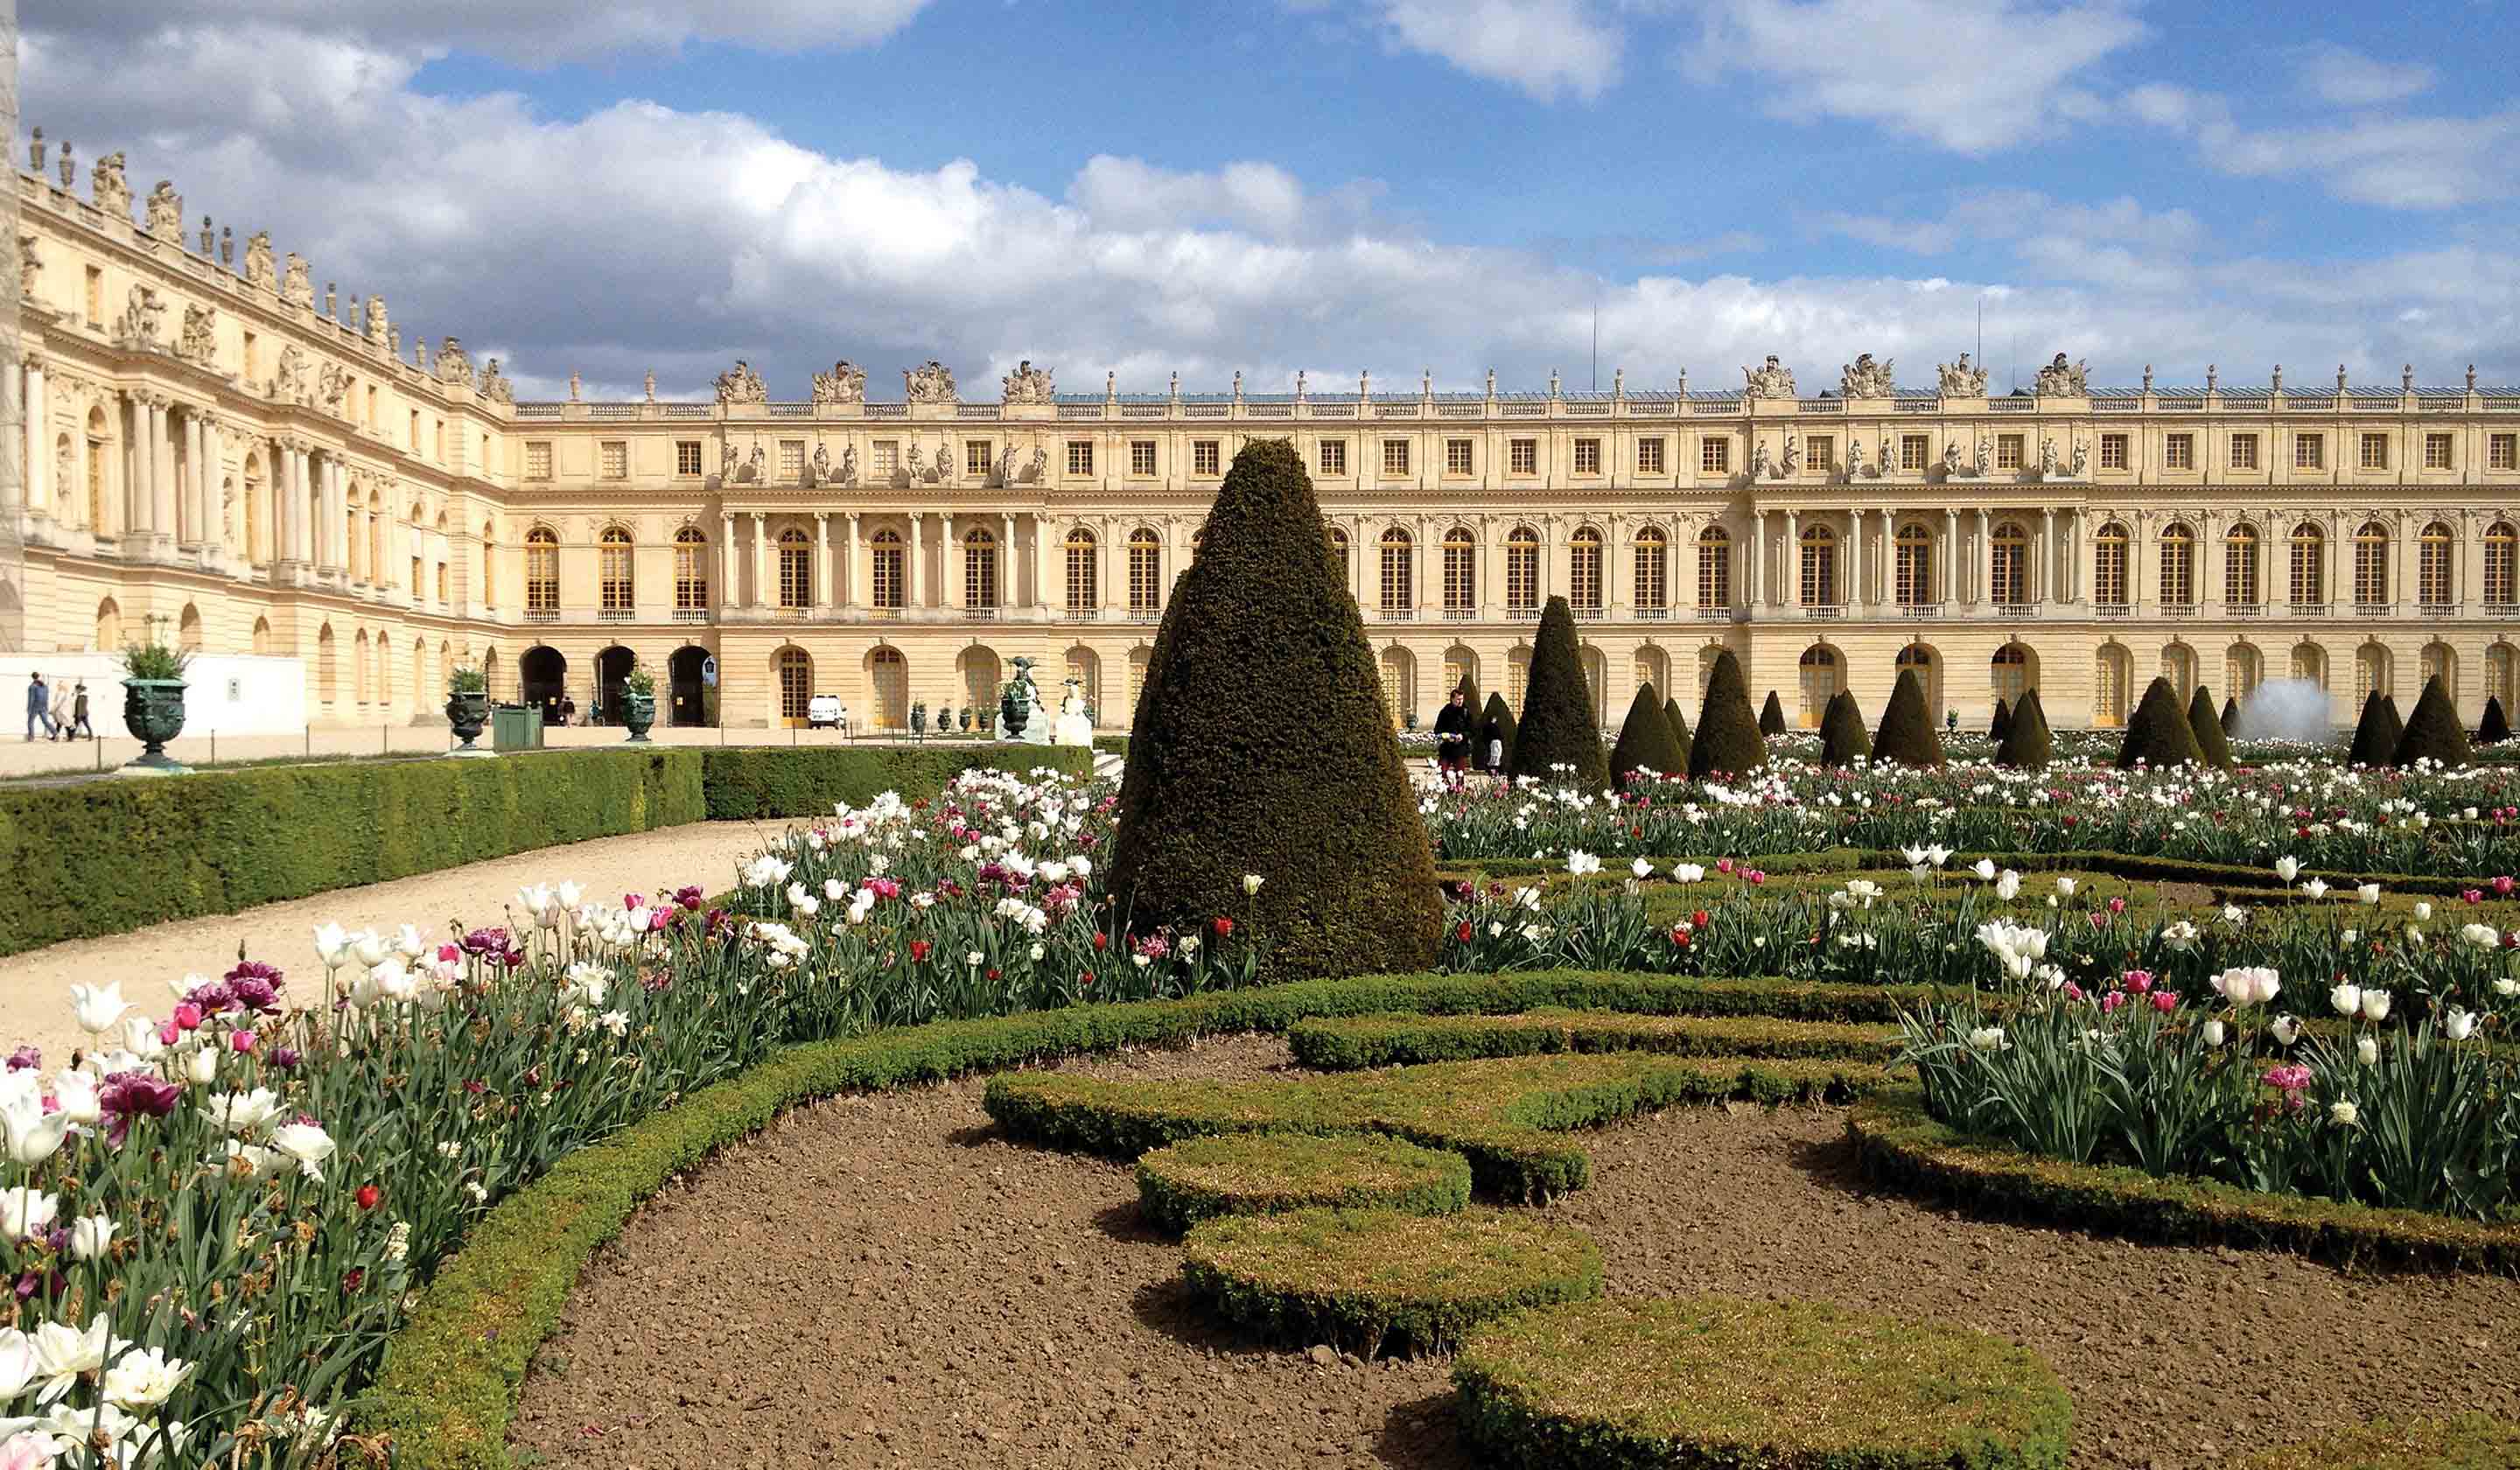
62,713
39,708
1453,733
79,713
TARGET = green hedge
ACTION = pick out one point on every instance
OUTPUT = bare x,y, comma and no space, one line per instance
1271,1173
1349,1043
1898,1142
103,857
745,782
2469,1442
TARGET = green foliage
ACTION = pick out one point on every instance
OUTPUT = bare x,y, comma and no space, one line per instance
1678,733
1261,746
1495,727
2230,721
749,783
1624,1385
1375,1279
2157,733
2027,746
154,660
2469,1442
1557,727
2207,727
1647,742
1771,716
639,680
1347,1043
1727,739
2375,733
1842,740
2496,727
2002,725
2435,733
466,679
1272,1173
1907,735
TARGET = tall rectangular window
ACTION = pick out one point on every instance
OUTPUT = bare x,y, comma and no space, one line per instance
691,570
1823,451
2179,452
1522,457
1522,570
441,585
791,460
2007,451
1395,457
1206,455
1141,457
1649,457
1714,456
2309,452
2109,566
2376,451
2244,451
2503,452
95,295
1714,568
1457,457
686,457
413,584
1652,568
1461,573
1084,573
886,457
617,460
538,460
2113,451
976,459
1333,456
1080,457
2437,452
1588,457
1911,450
613,586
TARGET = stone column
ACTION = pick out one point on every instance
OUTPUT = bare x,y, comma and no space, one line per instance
726,596
1854,597
762,596
2045,570
949,580
1791,573
822,561
1487,593
140,453
1982,563
1758,557
213,505
1040,562
1007,600
1950,568
915,596
39,448
846,588
162,478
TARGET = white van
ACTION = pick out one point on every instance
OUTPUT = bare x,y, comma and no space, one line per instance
826,710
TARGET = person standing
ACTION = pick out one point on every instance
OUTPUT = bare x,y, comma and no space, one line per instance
78,712
39,708
1453,735
61,720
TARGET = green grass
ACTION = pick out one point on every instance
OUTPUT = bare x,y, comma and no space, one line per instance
1271,1173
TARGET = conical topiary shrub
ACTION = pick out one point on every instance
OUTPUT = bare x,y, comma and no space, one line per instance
2207,727
1907,734
1771,716
1728,738
2002,725
1842,740
1679,732
2395,729
2230,721
2434,733
1646,741
2157,735
2027,744
2375,733
1556,728
2496,727
1261,748
1494,744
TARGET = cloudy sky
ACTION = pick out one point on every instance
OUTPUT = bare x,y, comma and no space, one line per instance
1342,184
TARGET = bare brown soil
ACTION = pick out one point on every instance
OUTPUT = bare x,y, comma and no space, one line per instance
883,1282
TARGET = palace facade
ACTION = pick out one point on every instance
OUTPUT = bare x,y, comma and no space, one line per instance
212,443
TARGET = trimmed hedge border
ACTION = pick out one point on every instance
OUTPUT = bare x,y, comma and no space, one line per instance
1898,1142
2469,1442
2133,866
1627,1385
747,782
1364,1278
1352,1042
1272,1173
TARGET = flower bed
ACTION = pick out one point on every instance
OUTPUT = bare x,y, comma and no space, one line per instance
1271,1173
752,783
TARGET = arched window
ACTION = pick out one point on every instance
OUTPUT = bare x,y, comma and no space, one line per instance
2244,669
1399,574
1584,572
2178,666
109,626
886,560
2502,674
1086,668
980,668
1338,539
2178,565
2372,673
980,571
2437,661
1654,666
1517,678
254,549
326,674
188,630
262,636
2009,557
1523,573
1399,685
1147,571
97,521
1597,678
2501,567
360,673
1819,567
2434,585
2109,568
2109,674
2008,674
1652,573
1140,659
795,685
1820,673
796,572
691,572
2240,585
542,571
378,571
2309,661
1084,567
890,676
2307,582
1914,572
1461,573
1714,568
2371,566
1930,674
615,587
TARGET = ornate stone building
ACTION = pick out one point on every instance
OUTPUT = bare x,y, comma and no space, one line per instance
211,444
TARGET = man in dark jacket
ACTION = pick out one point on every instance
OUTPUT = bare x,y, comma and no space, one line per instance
39,708
1453,733
79,713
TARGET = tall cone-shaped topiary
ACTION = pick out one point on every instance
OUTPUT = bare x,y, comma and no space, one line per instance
1842,740
2375,742
1557,727
1496,737
1728,738
1771,716
2207,727
2157,733
1907,734
1261,748
1678,733
2434,733
2395,729
2002,725
2496,727
2230,721
1646,741
2027,744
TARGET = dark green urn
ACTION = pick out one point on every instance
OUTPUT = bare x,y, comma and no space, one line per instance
152,710
638,712
467,711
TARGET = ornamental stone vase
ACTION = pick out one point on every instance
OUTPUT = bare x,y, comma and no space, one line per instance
153,711
638,712
467,711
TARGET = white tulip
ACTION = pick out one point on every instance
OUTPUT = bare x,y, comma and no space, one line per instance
1985,870
2367,1051
2343,1114
16,1363
2213,1033
76,1098
330,943
2347,999
2375,1005
1251,881
568,895
203,1065
100,1007
140,1036
243,1112
2423,910
2065,887
370,947
305,1142
2316,888
2008,884
2287,1031
408,943
142,1379
2367,893
2287,869
25,1212
1642,869
1988,1039
63,1351
2457,1024
2483,936
91,1235
1581,863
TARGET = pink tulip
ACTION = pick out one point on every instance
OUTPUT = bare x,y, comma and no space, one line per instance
188,1016
242,1040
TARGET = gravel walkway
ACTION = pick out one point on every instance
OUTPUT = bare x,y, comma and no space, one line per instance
34,987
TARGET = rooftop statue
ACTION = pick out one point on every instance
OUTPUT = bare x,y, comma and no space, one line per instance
1030,384
1773,380
1865,379
166,211
453,366
844,383
1960,381
2064,380
742,386
257,260
495,385
297,287
931,381
377,321
106,187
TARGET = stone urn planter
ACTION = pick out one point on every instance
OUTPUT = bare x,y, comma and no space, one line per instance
466,713
153,709
638,713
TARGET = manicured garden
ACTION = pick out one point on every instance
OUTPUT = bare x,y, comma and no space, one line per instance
1960,1110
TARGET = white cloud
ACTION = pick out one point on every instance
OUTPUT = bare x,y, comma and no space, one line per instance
2351,79
1130,194
531,32
1543,47
2018,214
1969,75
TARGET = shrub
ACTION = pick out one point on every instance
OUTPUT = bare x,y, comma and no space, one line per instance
1727,739
1771,716
2002,725
1621,1384
1678,733
2231,717
754,782
1558,727
2469,1442
1274,1174
2373,741
1495,732
1344,1044
1907,734
2026,746
2157,733
2496,727
1261,746
1646,741
2435,733
1842,739
2207,727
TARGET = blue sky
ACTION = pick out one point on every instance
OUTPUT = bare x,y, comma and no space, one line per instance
1371,184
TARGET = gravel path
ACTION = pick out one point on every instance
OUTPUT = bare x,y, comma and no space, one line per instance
34,987
882,1280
